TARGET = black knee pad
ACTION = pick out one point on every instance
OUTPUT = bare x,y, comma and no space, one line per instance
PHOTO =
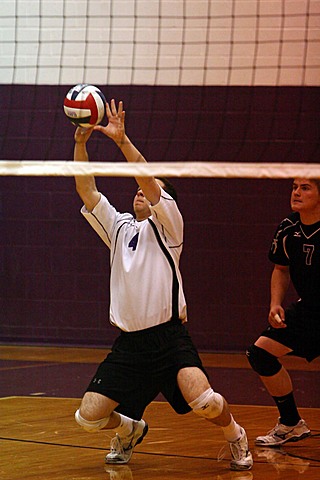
262,361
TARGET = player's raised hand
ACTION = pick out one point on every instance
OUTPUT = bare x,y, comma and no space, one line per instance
115,128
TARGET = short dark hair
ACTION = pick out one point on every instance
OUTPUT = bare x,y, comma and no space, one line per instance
317,182
168,187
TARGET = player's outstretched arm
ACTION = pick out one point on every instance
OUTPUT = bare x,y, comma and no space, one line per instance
116,131
85,185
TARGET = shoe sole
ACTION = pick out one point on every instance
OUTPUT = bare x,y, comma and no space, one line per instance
240,468
291,439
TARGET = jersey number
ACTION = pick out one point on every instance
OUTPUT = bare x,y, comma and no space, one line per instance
308,249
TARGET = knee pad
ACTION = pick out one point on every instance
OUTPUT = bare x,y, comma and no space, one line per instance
263,362
89,425
209,405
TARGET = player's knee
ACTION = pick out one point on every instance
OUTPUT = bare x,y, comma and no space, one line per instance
208,405
263,362
91,426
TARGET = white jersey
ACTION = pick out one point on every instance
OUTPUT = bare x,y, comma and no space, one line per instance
145,281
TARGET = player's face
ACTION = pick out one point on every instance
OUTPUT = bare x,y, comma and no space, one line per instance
141,205
305,196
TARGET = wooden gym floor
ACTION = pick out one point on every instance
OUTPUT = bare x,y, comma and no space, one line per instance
41,388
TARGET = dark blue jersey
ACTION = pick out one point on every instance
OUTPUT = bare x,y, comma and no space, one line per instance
298,246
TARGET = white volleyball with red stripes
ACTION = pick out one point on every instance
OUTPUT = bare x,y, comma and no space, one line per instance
85,105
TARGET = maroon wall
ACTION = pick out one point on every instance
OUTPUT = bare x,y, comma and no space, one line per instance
54,269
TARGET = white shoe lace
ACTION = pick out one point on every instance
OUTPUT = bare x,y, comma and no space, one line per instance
116,446
237,450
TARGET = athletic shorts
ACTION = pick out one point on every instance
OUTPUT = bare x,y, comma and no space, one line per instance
302,333
145,363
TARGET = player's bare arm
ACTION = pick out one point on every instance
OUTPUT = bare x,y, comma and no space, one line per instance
280,280
85,185
116,131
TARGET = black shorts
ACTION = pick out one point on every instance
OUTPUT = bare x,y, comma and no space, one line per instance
145,363
302,333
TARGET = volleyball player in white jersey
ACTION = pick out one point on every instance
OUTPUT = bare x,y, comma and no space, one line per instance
153,352
295,251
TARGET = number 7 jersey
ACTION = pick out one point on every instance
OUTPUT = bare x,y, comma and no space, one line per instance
298,246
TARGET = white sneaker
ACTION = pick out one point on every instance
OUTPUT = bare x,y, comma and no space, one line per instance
281,434
121,449
241,457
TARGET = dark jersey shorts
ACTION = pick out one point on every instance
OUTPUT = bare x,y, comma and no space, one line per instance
302,333
145,363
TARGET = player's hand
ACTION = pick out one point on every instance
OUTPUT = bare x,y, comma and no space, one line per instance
115,128
82,134
276,317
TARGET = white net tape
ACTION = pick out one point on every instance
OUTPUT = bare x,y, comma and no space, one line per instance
164,169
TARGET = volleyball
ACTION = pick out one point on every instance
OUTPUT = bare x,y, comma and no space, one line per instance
85,105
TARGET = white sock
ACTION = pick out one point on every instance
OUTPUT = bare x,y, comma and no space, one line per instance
126,426
232,432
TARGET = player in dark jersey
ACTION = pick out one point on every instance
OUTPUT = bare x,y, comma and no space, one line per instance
295,251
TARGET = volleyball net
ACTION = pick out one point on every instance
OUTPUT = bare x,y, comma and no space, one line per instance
168,169
160,42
